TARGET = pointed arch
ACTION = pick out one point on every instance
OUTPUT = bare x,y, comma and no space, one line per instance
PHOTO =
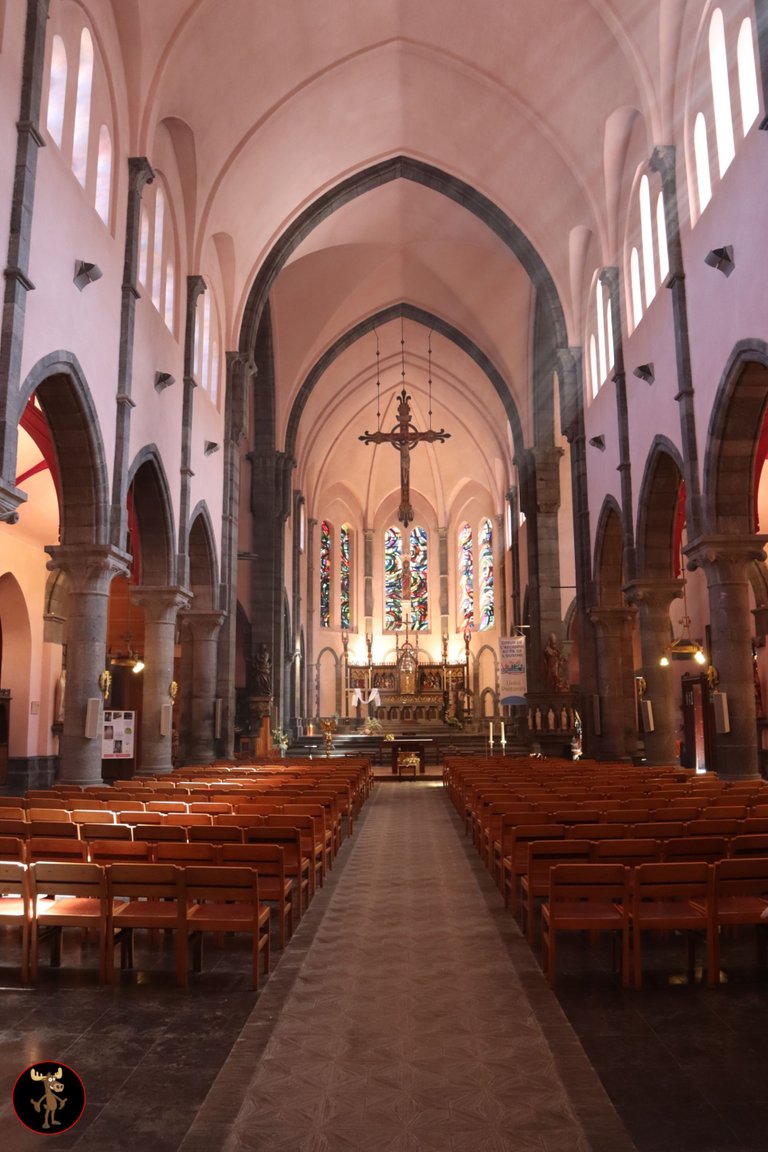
658,503
203,566
609,556
153,507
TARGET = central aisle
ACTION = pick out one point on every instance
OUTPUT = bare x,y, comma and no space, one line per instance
404,1024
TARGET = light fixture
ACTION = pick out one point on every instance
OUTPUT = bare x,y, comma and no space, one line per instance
645,372
598,442
210,447
163,380
86,273
722,259
138,666
128,657
683,647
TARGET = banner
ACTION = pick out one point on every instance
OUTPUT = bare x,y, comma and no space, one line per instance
118,735
514,679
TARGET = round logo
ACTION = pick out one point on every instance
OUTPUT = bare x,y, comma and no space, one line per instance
49,1097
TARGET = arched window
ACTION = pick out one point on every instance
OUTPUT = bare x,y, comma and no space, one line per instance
83,108
419,582
345,573
646,233
594,378
748,94
701,154
169,293
104,174
393,579
609,335
466,571
326,546
485,576
721,93
157,250
637,294
57,90
661,233
144,246
601,353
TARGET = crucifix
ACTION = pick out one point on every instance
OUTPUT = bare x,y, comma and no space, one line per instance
404,437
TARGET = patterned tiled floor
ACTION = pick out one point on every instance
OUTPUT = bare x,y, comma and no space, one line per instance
398,1021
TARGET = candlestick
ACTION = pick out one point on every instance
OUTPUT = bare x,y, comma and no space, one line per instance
503,735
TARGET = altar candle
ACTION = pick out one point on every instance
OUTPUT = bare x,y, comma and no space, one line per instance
503,737
490,733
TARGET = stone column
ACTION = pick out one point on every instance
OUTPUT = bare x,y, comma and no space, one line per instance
617,739
203,630
160,608
726,562
89,573
500,591
652,599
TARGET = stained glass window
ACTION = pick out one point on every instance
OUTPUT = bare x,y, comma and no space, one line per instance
393,579
485,575
344,574
466,578
325,574
419,590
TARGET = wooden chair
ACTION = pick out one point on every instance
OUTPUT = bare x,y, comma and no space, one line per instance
515,861
534,884
66,894
297,865
323,833
275,886
145,896
585,897
740,897
312,845
15,906
671,897
226,899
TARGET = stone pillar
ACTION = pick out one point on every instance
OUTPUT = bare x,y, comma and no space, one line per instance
617,739
500,593
540,484
652,599
726,562
89,573
442,544
160,608
203,628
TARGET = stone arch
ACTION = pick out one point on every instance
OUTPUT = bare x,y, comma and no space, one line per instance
16,656
609,556
732,440
419,316
59,384
550,329
327,681
55,610
153,507
658,503
203,567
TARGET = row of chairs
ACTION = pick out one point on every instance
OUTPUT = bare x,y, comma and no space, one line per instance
686,897
116,900
283,885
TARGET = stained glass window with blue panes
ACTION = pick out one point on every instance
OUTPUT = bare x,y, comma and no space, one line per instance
326,543
344,574
393,579
419,590
466,612
485,576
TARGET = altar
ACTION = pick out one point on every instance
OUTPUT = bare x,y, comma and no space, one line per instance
404,691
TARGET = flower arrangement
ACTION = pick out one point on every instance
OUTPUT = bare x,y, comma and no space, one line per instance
279,739
373,727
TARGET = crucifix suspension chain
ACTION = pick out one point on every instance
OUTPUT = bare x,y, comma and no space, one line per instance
405,437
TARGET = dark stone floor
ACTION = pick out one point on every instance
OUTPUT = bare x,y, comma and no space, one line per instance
683,1065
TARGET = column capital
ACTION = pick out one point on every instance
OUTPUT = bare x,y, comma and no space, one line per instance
160,602
88,568
611,620
10,499
725,559
652,593
203,625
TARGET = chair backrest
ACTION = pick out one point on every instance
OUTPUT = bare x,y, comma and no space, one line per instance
12,812
155,832
67,878
748,844
126,805
754,824
187,819
258,807
669,812
105,831
679,880
709,848
12,848
240,819
219,884
588,882
215,834
707,827
117,851
287,837
212,807
562,815
630,851
745,876
658,829
14,827
92,816
166,806
202,852
268,859
602,831
145,881
49,812
55,848
140,817
14,881
718,811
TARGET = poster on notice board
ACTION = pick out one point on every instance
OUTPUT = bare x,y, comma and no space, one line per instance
118,736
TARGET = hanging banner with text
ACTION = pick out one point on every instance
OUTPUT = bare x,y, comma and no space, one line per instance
514,677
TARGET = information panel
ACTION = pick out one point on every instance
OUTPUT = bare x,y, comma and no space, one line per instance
118,736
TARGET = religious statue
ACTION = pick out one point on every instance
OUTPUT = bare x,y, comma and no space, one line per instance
553,660
262,672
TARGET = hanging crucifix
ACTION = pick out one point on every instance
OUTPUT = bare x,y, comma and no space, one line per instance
404,437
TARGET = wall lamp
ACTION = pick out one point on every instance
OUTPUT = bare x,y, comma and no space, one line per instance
645,372
722,259
86,273
210,447
598,442
163,380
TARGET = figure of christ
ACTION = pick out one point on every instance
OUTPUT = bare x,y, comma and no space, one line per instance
404,437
